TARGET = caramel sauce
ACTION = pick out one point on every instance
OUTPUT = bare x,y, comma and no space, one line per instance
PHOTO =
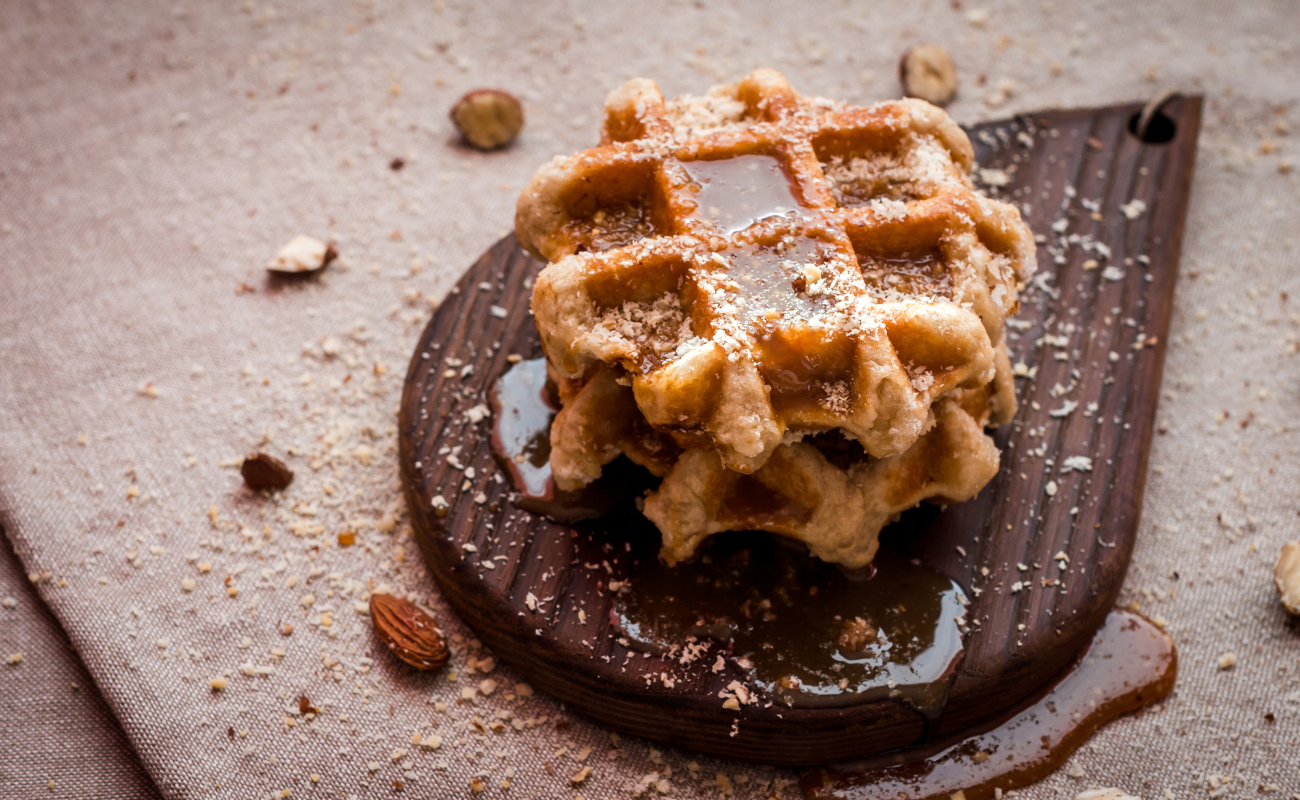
784,614
774,296
888,179
1130,664
616,226
734,193
811,634
924,274
523,407
765,275
759,598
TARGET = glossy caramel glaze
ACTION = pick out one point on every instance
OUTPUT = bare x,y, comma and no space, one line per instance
523,407
734,193
808,633
1129,665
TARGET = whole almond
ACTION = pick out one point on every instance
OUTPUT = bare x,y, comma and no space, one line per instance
410,633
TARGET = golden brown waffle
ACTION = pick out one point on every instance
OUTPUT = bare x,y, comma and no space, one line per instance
836,509
599,421
757,262
825,492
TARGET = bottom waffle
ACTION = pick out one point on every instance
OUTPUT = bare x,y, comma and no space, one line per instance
823,490
834,505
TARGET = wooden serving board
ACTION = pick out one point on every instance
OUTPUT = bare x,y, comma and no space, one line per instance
1095,324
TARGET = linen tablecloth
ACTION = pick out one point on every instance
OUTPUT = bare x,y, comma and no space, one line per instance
154,155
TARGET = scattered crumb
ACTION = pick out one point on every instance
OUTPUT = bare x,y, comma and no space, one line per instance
1109,793
1286,575
1133,208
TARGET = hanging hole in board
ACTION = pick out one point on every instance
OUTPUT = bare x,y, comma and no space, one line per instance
1150,124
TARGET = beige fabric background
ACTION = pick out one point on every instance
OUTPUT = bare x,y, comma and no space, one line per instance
153,155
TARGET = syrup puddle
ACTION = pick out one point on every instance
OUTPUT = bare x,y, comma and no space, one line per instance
737,192
811,633
1130,664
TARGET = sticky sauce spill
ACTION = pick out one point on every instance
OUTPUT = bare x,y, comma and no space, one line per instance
811,633
737,192
522,432
808,633
1130,664
523,407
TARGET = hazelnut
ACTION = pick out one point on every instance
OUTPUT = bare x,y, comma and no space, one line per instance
927,72
488,118
1286,574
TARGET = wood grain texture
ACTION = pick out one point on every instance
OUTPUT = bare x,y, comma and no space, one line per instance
564,644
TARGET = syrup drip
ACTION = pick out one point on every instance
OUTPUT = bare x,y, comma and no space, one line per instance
737,192
1130,664
522,433
794,619
522,411
765,276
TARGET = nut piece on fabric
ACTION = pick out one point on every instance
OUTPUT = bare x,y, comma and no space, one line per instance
488,118
265,473
927,72
410,633
1286,574
302,255
1109,793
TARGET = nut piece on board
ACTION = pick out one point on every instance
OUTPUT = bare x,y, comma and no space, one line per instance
1286,574
301,255
488,118
855,634
262,472
410,633
927,72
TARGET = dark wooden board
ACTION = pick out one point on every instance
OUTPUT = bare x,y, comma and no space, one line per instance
1020,640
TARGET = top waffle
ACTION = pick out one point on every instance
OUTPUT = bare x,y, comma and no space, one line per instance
757,262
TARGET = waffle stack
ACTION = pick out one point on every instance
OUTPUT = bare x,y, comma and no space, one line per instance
790,309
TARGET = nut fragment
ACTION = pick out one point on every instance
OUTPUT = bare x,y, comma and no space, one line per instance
927,72
1109,793
410,633
1286,574
302,255
855,634
488,118
263,472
